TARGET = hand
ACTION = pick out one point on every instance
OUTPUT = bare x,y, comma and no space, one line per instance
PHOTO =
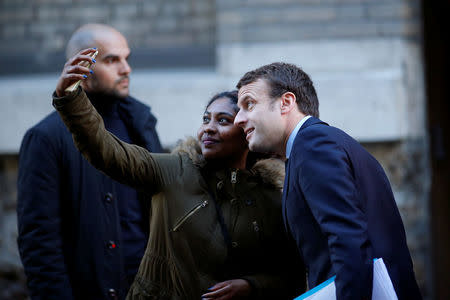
73,72
230,289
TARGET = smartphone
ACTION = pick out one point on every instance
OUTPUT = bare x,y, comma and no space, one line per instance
75,85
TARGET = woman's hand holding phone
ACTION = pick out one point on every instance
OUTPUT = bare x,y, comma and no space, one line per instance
75,70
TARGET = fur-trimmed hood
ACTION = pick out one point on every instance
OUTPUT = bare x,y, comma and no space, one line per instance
270,170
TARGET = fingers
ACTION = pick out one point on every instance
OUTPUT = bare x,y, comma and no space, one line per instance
75,69
219,285
80,63
73,77
78,69
229,289
83,60
83,57
218,290
87,51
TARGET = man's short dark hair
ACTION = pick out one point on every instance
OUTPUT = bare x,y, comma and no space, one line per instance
282,78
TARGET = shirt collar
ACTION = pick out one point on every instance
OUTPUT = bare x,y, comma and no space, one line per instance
293,134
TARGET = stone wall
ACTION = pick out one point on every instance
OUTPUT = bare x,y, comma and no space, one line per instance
153,28
12,278
365,58
287,20
407,166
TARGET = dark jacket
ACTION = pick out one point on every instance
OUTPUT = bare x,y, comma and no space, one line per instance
339,207
69,230
187,252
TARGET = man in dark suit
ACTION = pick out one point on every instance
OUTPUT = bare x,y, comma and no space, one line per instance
82,235
337,202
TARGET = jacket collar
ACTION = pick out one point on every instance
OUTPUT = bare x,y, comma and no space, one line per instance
304,123
271,171
312,121
293,134
140,119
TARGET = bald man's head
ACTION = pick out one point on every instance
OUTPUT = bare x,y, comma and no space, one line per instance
88,36
111,71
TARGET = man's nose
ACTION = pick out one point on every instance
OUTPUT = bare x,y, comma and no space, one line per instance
125,67
240,120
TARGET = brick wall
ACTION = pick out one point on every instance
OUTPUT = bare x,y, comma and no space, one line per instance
33,34
287,20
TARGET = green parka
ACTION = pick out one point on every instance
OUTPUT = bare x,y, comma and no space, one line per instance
186,252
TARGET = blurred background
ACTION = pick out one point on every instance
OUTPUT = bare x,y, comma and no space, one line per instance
379,67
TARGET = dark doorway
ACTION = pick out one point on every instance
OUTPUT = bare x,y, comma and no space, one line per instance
437,61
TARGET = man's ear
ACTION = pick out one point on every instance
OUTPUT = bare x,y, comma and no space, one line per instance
288,102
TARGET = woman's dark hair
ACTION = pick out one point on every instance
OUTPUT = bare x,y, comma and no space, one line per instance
230,95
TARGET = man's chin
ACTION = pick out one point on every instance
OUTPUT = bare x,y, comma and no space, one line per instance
256,146
118,93
253,146
122,92
123,95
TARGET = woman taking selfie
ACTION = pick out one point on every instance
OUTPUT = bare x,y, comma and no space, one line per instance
216,227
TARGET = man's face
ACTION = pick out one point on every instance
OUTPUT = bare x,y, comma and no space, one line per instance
111,71
260,117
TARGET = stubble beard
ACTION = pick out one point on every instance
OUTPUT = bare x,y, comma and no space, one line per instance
256,144
98,88
263,144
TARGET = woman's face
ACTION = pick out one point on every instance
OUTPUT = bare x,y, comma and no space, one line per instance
219,137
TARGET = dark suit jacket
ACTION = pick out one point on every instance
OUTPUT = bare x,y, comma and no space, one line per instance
67,213
339,208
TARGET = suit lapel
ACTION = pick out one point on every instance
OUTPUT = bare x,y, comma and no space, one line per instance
309,122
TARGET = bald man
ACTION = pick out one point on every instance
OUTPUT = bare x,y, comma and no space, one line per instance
81,234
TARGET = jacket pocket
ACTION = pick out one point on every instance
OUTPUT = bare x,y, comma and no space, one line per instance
192,212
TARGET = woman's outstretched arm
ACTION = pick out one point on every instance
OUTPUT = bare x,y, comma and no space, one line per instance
126,163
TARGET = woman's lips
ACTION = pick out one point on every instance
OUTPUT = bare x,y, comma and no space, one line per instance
208,142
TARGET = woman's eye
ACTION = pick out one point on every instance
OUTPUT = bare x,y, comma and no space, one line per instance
205,120
223,120
250,105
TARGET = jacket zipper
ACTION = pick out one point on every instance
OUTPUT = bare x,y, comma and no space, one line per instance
233,179
257,229
189,214
255,226
234,210
234,176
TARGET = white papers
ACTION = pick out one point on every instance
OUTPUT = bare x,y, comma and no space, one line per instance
326,291
382,285
382,288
